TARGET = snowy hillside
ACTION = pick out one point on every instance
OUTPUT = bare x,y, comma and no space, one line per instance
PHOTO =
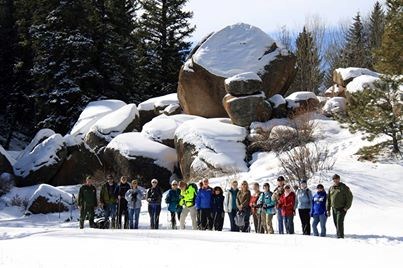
373,225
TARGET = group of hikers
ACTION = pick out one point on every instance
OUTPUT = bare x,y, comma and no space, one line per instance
207,206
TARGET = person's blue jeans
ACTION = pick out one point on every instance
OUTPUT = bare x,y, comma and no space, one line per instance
322,220
232,215
134,213
110,211
154,210
289,224
280,219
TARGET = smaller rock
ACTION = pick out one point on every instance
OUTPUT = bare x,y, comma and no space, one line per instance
245,110
336,105
49,199
243,84
279,105
343,76
302,102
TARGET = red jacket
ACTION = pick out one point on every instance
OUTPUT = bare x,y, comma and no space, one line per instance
287,204
253,202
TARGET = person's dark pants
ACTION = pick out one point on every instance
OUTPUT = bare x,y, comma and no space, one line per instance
304,215
246,227
206,221
173,218
154,210
110,211
84,211
338,219
232,215
289,224
218,220
122,210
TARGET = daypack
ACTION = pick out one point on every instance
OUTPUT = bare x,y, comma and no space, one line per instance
240,219
101,223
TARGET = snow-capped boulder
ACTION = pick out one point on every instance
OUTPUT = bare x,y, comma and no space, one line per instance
133,154
233,50
360,83
335,91
168,105
278,132
279,105
302,102
243,84
209,148
48,199
245,110
40,136
343,76
6,161
42,163
125,119
162,128
335,105
94,111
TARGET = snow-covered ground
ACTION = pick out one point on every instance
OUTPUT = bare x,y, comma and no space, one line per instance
373,226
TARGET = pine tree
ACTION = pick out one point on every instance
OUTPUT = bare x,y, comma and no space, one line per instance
390,54
355,51
376,29
164,26
309,76
378,110
63,69
115,22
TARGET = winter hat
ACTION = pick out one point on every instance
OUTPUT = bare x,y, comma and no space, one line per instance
154,181
303,181
320,186
174,182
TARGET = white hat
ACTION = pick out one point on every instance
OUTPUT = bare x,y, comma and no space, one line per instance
174,182
154,180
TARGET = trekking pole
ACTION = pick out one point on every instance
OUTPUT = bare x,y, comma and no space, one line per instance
60,199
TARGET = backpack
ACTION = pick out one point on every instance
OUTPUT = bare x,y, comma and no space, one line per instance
240,219
101,223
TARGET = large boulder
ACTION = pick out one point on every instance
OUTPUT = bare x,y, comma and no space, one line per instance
134,155
94,111
6,161
168,105
48,199
245,110
236,49
343,76
210,148
125,119
302,102
42,163
80,162
360,83
162,128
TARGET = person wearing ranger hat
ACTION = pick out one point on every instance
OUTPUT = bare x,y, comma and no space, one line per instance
339,199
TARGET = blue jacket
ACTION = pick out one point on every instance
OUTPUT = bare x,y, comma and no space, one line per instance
172,199
304,198
217,205
267,203
319,203
204,198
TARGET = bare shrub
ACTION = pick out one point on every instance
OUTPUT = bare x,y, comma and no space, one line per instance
305,161
19,201
6,183
298,132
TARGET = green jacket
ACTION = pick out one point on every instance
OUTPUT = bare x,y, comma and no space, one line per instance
188,196
87,196
108,194
339,197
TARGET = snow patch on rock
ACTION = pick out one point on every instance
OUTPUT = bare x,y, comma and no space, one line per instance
299,96
156,102
243,77
352,72
361,82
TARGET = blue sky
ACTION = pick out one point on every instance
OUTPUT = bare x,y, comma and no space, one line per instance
270,15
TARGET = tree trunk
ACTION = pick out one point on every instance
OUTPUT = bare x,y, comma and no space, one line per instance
395,144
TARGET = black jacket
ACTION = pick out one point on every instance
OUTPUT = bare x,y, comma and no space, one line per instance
154,195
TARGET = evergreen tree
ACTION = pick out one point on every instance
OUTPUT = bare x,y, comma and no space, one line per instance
376,29
164,25
390,54
378,110
63,69
309,77
356,53
115,22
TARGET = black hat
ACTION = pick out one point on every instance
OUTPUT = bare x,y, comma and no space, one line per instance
280,178
320,186
303,181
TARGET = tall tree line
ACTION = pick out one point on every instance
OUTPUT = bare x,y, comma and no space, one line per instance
60,54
